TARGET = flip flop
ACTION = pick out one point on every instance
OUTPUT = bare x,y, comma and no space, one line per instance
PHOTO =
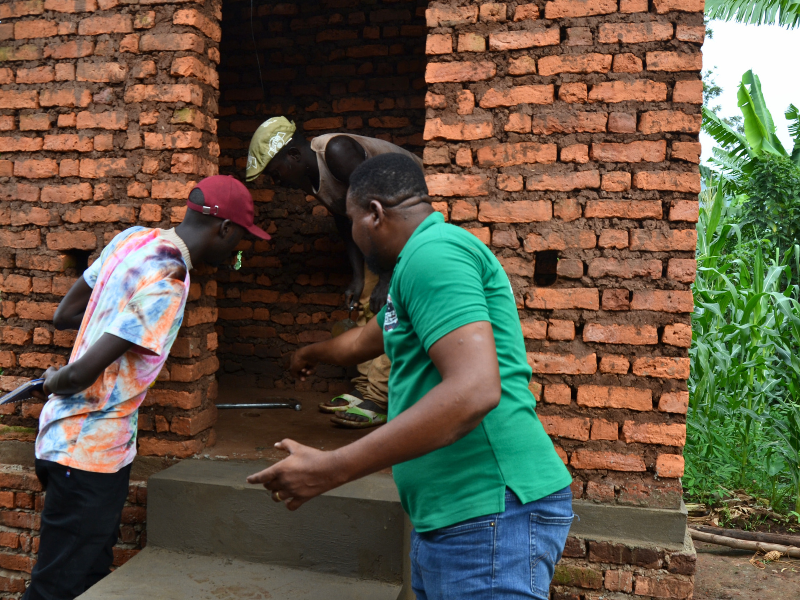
328,407
373,418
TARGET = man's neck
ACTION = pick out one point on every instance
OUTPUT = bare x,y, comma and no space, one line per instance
193,241
405,227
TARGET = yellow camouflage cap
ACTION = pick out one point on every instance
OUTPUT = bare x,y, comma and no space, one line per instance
272,135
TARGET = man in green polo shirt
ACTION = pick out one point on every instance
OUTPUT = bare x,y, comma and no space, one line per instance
487,494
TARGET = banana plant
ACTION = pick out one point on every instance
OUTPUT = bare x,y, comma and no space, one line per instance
785,13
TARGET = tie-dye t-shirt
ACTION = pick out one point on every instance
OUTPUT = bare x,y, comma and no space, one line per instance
140,283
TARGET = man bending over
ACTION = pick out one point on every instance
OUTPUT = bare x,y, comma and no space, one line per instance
128,307
322,168
487,494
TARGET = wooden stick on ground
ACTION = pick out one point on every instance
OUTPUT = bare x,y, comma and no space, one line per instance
754,536
790,551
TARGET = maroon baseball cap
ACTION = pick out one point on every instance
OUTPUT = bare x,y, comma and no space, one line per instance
226,197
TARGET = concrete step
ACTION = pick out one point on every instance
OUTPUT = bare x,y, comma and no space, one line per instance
206,507
159,574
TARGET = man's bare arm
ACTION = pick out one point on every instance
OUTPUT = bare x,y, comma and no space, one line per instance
69,313
467,361
350,348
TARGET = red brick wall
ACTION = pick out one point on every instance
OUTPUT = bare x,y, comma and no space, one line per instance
330,65
567,126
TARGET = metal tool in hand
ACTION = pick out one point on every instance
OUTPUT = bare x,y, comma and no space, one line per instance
23,392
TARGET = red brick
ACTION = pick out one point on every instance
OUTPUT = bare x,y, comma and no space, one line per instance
64,194
563,298
627,63
557,393
16,284
108,214
68,142
663,240
36,75
524,12
21,8
176,139
100,24
534,329
562,122
19,191
468,42
577,153
176,190
601,396
654,433
459,71
634,33
190,66
71,6
632,152
189,93
324,123
690,92
17,562
566,364
518,122
682,269
605,430
624,268
523,211
516,40
106,167
599,492
575,63
493,12
573,93
659,121
571,268
671,301
665,586
665,6
509,183
570,428
559,329
40,360
637,335
101,72
19,99
520,94
26,52
624,209
633,6
507,155
464,157
36,169
616,181
674,61
691,33
36,311
524,65
194,424
179,399
450,16
664,367
22,144
196,19
431,101
439,44
685,210
149,446
563,182
622,122
642,90
674,402
669,465
618,581
71,240
612,461
35,122
578,8
688,151
447,184
194,371
513,265
67,97
74,49
40,28
559,241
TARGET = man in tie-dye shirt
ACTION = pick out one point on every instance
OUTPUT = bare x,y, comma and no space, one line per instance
129,307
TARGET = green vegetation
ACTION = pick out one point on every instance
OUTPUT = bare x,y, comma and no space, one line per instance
744,413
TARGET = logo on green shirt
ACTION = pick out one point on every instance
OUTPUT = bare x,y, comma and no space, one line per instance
390,320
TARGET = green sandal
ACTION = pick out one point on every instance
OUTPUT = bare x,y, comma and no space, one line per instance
329,407
373,418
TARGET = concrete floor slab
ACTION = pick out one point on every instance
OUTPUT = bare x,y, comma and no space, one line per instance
157,574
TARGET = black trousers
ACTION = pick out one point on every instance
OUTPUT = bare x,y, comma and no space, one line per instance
80,523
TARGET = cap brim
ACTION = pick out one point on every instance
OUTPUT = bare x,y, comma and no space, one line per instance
258,232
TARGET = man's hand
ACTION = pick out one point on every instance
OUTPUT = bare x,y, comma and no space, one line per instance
45,391
300,366
304,474
353,292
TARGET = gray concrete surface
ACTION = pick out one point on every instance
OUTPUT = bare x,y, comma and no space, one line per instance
157,574
665,528
206,507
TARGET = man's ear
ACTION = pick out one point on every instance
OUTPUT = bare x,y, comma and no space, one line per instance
294,153
225,228
377,212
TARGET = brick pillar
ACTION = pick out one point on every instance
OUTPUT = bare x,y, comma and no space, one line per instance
569,129
107,116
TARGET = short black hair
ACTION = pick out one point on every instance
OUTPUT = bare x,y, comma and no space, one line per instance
389,178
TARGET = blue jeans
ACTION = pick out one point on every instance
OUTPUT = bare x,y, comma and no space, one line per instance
503,556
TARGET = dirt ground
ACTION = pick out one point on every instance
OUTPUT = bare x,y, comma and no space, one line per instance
726,574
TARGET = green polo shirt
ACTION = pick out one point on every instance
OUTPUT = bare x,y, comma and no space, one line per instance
446,278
